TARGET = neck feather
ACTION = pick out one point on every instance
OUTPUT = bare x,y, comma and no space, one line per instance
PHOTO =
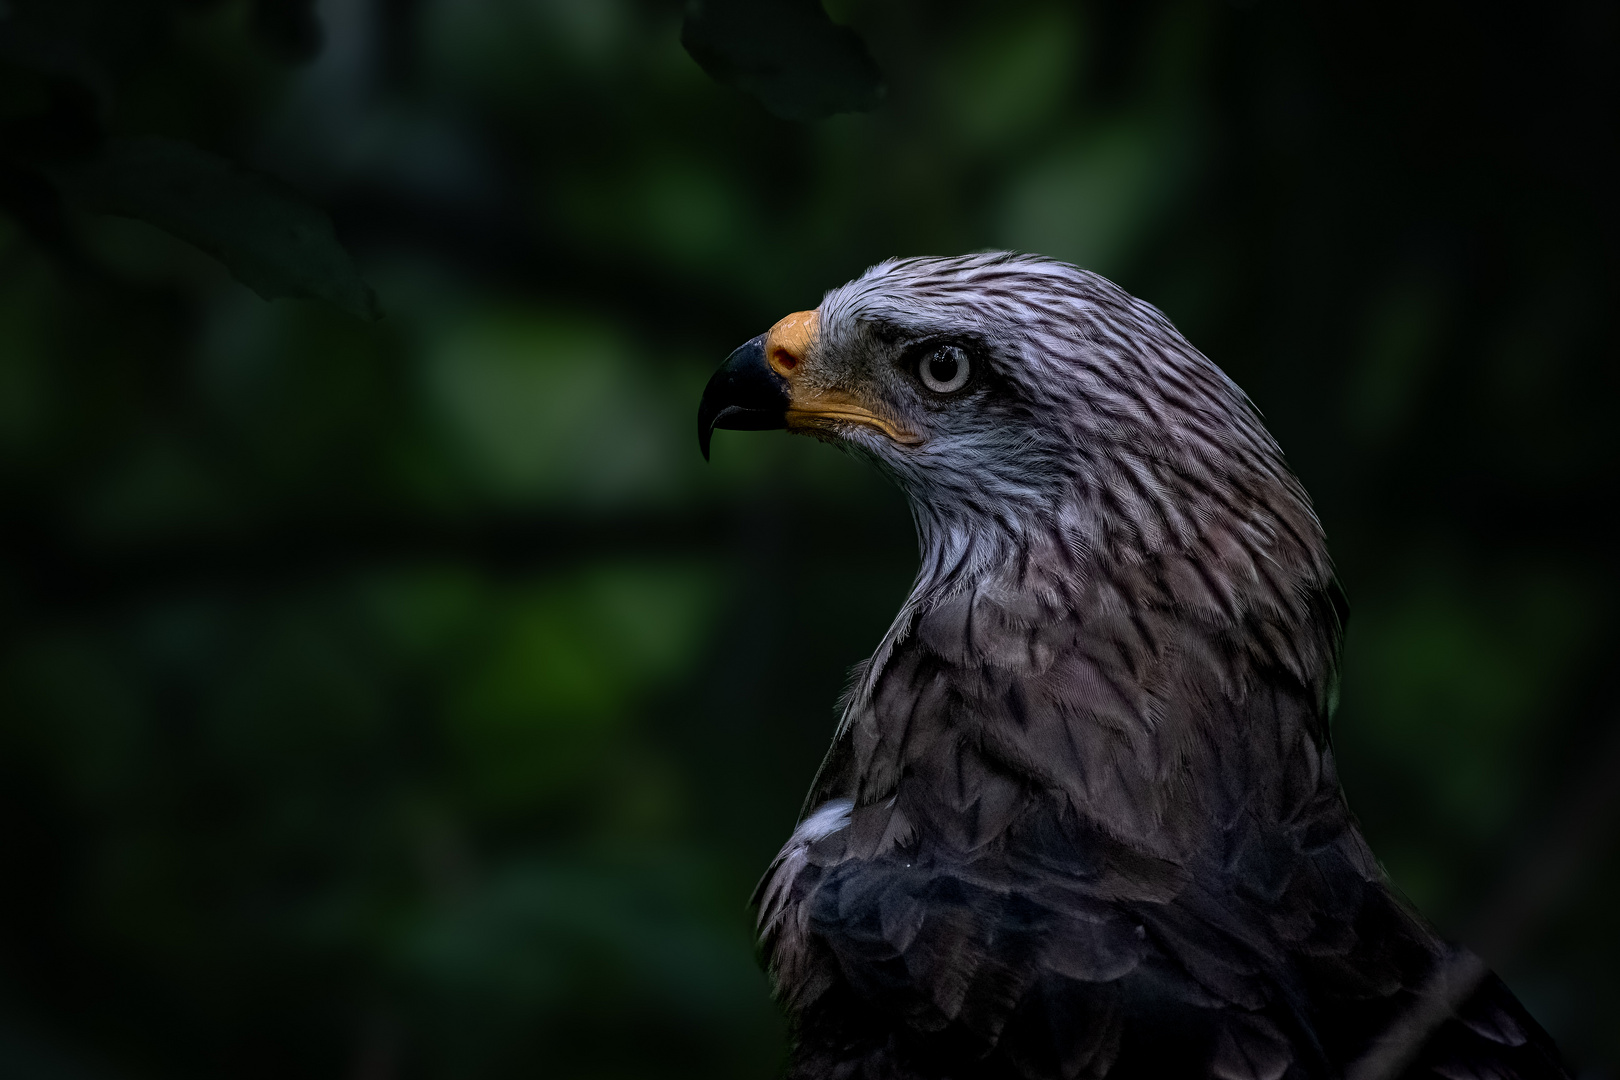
1130,672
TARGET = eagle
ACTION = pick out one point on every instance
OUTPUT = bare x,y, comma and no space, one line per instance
1080,816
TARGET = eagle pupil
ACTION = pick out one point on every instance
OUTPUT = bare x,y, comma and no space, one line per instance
945,371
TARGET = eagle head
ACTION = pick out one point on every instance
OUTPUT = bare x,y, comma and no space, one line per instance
1040,418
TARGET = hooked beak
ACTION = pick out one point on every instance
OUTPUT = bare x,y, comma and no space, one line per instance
744,395
759,388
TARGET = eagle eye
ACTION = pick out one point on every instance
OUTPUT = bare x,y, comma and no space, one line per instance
945,370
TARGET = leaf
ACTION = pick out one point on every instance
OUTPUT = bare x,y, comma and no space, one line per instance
787,53
271,240
289,28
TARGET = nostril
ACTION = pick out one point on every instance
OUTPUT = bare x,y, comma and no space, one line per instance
789,341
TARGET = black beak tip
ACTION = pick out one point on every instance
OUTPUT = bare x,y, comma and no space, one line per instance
744,395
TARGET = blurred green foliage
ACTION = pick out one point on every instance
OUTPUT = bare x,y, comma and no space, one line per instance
405,698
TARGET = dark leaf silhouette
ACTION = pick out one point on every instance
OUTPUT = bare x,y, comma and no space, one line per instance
290,29
274,242
787,53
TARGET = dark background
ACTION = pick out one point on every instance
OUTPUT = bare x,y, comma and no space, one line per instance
405,698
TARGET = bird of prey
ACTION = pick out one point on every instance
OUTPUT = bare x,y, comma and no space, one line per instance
1080,816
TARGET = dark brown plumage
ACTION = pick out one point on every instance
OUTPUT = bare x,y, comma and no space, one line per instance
1081,817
